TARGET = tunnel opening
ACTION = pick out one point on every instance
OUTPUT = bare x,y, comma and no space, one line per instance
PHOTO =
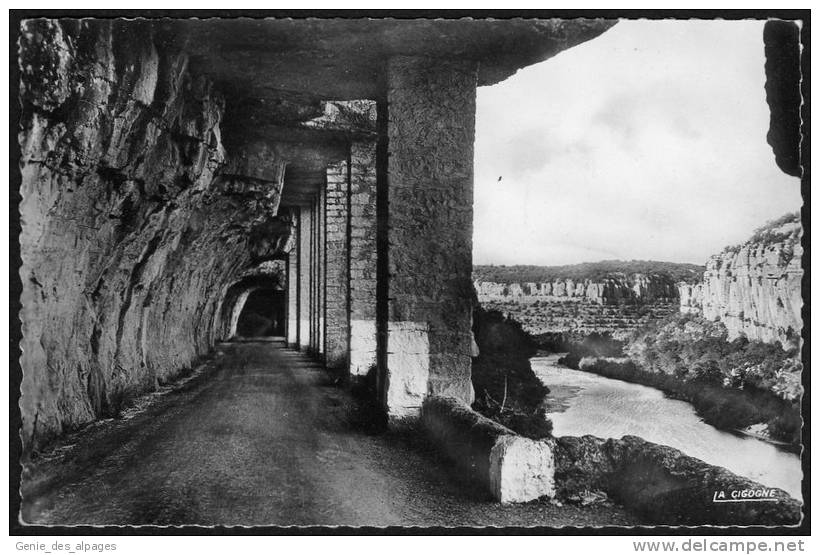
263,315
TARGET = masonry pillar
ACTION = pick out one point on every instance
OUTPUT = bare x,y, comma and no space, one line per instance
362,257
337,291
293,294
430,131
314,274
321,270
304,276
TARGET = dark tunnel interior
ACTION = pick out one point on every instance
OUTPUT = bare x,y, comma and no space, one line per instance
263,314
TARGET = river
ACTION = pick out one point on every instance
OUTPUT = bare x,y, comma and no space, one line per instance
582,403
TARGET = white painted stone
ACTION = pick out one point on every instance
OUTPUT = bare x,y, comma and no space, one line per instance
408,368
321,335
521,469
362,346
292,323
304,332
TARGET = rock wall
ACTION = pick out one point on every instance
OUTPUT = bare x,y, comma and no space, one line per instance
755,288
612,290
616,304
136,219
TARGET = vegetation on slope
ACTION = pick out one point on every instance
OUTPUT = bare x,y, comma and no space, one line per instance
594,271
785,229
732,384
506,388
695,349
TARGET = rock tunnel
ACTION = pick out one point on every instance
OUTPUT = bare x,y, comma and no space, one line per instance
174,169
263,314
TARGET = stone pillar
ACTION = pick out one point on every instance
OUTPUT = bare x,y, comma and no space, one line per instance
293,295
313,275
312,279
321,275
430,133
362,258
315,309
305,225
337,290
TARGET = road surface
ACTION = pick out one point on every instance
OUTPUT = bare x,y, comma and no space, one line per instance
262,436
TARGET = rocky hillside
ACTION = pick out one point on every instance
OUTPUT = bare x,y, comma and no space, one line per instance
754,288
612,296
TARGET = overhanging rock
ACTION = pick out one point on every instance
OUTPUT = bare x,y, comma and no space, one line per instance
161,159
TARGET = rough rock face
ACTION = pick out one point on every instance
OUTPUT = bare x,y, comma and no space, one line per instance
664,485
783,93
135,217
612,304
611,290
754,289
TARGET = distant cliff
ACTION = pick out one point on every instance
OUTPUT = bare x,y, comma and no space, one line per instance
608,290
611,296
754,288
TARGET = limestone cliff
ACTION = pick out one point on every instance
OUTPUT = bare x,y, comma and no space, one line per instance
754,288
612,302
139,214
608,290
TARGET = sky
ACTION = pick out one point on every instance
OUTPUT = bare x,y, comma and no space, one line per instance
648,142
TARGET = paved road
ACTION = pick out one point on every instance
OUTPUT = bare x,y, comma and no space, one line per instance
261,436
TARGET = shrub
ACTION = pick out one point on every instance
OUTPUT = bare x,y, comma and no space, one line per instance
724,408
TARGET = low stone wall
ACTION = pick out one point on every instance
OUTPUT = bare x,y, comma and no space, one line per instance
659,483
664,486
511,467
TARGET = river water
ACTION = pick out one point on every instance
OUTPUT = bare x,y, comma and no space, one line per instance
582,403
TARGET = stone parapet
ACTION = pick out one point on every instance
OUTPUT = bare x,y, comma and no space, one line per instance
512,468
665,486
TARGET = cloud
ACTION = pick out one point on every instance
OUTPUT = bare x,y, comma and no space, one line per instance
643,143
628,114
528,151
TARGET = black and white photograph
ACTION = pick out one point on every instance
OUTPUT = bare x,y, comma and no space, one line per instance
390,271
